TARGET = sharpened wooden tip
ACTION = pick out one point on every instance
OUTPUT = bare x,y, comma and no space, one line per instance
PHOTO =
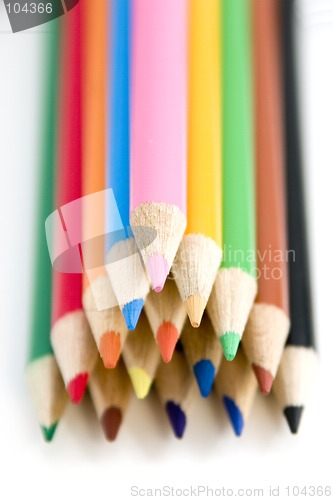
166,338
110,348
265,379
195,307
111,422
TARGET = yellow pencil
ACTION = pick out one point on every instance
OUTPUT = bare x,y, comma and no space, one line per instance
142,357
200,253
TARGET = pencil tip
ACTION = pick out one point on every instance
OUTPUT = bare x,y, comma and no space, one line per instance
166,338
158,270
177,418
265,379
230,342
141,381
293,415
131,313
195,306
77,386
48,432
111,422
110,348
235,415
204,372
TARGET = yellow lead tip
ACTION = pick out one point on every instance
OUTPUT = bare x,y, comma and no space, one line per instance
141,381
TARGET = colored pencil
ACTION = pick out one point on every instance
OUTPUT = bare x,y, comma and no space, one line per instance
269,323
203,352
110,330
107,328
200,253
158,132
141,357
235,287
125,268
71,338
176,389
166,314
299,360
46,386
236,386
110,392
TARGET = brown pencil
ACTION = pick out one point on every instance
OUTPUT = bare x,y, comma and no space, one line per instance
110,392
268,324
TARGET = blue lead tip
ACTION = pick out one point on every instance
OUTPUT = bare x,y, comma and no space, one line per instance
204,372
235,415
131,313
177,418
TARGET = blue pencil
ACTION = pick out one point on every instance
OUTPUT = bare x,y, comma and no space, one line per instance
203,352
236,387
176,389
124,266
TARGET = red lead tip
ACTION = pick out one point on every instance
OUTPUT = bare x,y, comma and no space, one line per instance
77,386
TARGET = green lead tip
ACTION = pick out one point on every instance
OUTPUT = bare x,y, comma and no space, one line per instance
230,342
48,432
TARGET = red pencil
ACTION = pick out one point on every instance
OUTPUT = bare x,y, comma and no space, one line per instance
72,341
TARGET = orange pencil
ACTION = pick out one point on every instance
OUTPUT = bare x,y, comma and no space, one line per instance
99,301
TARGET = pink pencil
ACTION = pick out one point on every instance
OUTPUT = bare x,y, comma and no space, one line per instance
158,132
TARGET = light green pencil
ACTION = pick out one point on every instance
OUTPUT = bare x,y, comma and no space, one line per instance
235,287
46,385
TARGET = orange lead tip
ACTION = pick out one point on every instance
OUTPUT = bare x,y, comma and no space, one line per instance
166,338
110,348
77,386
265,379
110,422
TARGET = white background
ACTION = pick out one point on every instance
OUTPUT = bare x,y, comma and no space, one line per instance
79,462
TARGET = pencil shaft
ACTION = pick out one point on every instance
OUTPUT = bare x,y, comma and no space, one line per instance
238,166
118,110
40,343
67,287
271,212
159,103
94,60
301,332
204,136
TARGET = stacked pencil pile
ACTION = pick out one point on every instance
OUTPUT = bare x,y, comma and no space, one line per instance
171,187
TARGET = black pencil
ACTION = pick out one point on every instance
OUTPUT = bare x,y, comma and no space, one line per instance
299,360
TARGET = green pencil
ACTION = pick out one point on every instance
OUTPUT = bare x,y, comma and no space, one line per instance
46,385
235,287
